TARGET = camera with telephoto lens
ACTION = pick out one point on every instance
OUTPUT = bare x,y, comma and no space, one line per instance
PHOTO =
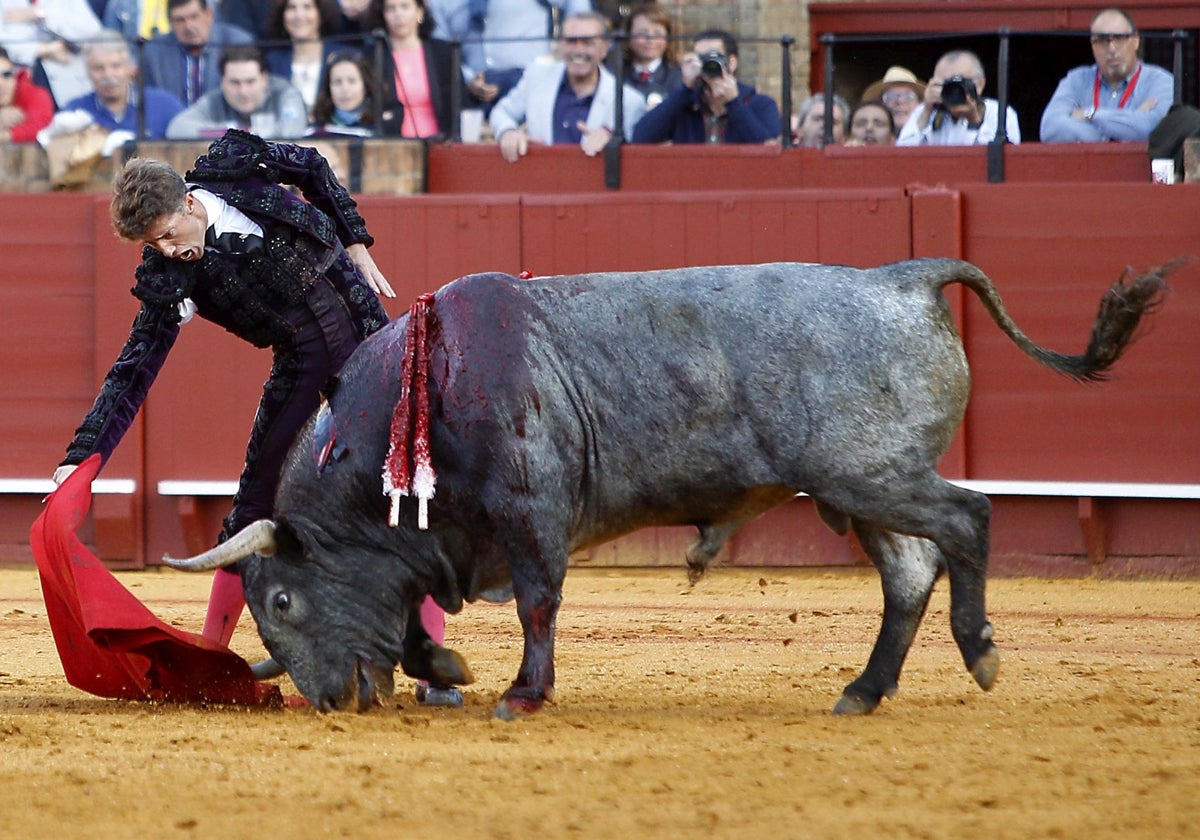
958,91
713,65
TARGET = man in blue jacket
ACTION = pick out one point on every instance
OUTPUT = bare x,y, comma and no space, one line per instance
113,103
711,105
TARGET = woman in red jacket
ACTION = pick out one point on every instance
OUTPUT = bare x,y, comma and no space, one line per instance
25,108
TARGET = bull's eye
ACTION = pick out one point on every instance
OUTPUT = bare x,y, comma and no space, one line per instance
283,602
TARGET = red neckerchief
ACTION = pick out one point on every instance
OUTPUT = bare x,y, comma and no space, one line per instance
1124,97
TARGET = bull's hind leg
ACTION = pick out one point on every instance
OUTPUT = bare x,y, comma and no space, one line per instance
957,520
908,567
961,525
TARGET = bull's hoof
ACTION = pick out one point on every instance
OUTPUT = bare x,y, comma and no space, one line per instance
438,695
520,702
853,704
987,668
449,668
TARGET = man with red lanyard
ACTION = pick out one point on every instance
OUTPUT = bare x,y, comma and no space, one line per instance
1117,98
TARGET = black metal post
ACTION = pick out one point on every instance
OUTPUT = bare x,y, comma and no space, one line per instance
1179,36
378,39
612,149
827,41
785,94
454,130
141,91
995,151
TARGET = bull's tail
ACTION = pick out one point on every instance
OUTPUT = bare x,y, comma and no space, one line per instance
1121,311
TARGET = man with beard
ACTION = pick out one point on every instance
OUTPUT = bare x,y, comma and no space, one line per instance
711,105
1117,98
570,100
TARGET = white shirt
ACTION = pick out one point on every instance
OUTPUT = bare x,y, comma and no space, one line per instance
222,218
958,132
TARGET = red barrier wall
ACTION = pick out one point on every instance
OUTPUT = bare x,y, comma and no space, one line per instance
1051,248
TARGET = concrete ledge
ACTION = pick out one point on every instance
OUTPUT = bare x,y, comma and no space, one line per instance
42,486
1082,489
196,488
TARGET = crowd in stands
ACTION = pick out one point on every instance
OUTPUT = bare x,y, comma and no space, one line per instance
540,71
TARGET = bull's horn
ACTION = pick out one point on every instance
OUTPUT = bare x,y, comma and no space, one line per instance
256,538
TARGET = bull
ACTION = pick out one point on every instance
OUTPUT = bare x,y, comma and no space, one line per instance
567,411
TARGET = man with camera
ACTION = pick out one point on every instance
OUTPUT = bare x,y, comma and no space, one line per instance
711,105
955,112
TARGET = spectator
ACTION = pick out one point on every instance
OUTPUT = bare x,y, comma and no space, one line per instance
25,108
650,65
416,68
248,98
570,100
298,30
954,112
505,37
135,19
185,61
46,35
347,101
808,125
113,103
710,105
871,124
1117,98
899,90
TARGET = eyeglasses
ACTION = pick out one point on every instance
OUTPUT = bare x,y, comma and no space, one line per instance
1110,38
898,96
584,41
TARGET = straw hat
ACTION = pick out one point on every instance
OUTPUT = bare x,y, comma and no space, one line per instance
894,77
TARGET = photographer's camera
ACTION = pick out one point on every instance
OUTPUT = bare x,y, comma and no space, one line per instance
958,90
713,65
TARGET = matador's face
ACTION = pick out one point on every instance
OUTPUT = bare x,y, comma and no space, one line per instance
180,235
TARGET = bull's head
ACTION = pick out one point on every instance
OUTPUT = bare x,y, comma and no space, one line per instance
339,629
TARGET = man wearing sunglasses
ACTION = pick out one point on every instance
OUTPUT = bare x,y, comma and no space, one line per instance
1118,98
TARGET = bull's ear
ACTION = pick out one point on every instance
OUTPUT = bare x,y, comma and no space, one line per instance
286,541
330,387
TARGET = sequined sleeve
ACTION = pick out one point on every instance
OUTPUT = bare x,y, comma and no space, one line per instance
307,169
151,337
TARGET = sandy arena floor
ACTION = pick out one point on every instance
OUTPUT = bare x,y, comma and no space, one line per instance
679,715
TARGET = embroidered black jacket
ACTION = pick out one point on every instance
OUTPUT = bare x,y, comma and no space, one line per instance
248,295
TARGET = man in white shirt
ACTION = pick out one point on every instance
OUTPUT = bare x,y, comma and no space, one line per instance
954,112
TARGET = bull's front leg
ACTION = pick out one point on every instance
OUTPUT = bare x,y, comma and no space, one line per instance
537,608
424,659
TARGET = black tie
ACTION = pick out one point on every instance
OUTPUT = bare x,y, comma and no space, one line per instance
233,243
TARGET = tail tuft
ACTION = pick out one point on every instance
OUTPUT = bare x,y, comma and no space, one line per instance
1121,311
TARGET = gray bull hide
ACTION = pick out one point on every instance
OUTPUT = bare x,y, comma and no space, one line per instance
567,411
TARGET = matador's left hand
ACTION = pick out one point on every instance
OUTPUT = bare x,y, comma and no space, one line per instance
361,257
